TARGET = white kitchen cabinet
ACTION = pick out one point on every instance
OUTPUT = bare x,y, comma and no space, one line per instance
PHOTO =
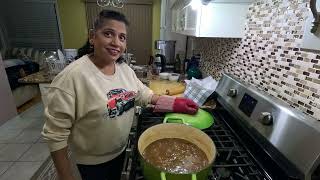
163,18
230,1
223,20
311,41
165,27
213,19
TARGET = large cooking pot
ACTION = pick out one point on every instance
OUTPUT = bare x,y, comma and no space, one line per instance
175,130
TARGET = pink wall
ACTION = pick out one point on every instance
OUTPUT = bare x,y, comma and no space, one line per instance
7,106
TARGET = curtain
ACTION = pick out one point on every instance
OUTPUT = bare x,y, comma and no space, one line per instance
32,23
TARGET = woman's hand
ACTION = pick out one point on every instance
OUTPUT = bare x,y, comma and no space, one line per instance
175,104
185,105
63,164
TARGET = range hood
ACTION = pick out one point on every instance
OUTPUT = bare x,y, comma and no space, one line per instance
210,18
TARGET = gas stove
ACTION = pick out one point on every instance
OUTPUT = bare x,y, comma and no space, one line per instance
243,149
233,161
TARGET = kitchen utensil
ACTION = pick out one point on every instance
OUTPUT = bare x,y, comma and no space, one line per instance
174,76
162,61
201,120
174,130
167,49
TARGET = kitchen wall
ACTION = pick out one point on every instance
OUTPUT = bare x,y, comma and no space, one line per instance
269,56
156,10
72,15
73,22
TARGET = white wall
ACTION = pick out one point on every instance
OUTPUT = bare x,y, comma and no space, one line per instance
7,105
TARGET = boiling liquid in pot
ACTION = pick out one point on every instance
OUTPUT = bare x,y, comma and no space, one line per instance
175,156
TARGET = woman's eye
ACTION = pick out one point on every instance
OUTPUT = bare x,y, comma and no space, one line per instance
123,38
107,34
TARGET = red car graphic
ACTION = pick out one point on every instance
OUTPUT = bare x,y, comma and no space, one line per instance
119,101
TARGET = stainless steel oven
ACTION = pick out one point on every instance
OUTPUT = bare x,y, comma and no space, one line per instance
258,137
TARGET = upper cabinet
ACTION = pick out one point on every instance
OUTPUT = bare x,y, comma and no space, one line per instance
208,18
311,35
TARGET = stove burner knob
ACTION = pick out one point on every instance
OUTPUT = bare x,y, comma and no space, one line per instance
232,92
266,118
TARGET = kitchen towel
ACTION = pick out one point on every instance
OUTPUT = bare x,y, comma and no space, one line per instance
200,90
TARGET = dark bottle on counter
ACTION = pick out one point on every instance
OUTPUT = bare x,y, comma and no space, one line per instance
177,65
193,68
185,66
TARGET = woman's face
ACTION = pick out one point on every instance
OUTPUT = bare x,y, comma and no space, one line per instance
110,40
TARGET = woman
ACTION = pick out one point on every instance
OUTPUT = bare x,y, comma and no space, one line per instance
91,105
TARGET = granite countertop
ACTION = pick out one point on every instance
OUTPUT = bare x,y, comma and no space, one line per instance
45,77
36,78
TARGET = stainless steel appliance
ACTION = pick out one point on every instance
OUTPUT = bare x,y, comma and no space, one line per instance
288,135
166,48
257,136
160,62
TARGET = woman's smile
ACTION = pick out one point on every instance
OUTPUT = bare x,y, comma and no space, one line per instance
113,51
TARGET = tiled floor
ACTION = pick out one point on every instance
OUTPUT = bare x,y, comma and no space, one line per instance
22,150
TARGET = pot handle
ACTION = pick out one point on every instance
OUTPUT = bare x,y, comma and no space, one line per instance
163,176
166,119
194,177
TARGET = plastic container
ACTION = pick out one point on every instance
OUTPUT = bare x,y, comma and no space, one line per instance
174,77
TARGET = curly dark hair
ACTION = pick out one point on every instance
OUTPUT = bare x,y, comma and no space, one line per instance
109,15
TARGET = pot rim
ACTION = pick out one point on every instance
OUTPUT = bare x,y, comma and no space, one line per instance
207,166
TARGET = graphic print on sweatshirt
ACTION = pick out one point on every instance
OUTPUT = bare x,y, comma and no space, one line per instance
119,101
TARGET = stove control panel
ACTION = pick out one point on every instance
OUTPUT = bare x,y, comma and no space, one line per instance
266,118
247,104
290,131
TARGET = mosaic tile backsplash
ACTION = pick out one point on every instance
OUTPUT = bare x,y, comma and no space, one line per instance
269,56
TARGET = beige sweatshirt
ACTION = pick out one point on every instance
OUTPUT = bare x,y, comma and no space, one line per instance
92,111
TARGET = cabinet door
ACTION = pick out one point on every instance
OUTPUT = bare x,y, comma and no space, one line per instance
174,21
163,19
185,20
223,20
191,19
